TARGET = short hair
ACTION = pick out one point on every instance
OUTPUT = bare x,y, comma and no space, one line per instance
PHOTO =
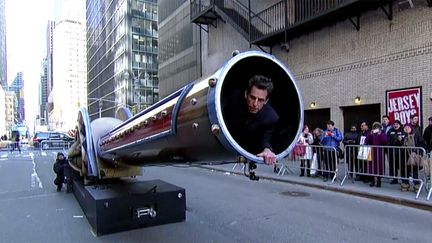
415,115
330,122
385,116
430,119
261,82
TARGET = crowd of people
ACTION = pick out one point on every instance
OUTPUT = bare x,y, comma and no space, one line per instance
383,139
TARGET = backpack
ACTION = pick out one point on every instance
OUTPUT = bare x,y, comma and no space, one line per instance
57,167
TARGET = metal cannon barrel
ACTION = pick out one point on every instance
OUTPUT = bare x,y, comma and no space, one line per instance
190,124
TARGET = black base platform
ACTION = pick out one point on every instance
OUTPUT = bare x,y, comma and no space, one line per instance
126,205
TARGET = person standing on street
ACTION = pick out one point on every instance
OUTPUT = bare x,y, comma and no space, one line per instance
63,171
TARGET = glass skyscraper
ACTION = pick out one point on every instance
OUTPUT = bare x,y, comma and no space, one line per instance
122,55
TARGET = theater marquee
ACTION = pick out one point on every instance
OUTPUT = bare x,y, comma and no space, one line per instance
402,103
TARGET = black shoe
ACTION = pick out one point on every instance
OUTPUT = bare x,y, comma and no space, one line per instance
301,175
276,169
372,183
378,184
394,181
58,189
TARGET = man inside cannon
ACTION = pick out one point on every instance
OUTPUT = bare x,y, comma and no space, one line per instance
252,119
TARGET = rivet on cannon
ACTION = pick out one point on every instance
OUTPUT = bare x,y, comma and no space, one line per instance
193,101
212,82
137,126
164,113
154,118
215,129
145,123
116,137
195,125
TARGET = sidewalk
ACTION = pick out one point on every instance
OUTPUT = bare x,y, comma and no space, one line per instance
387,192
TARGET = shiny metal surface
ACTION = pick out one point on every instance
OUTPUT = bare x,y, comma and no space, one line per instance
190,124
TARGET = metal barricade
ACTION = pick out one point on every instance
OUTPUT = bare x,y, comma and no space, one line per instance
327,162
54,145
368,162
428,168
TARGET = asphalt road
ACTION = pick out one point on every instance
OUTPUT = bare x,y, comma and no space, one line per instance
220,208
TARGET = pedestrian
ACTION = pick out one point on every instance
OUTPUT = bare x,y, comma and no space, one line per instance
350,139
411,140
395,140
305,140
63,173
376,138
330,140
317,148
427,135
362,163
385,124
16,144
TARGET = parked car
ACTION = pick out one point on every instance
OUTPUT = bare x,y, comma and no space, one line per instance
51,140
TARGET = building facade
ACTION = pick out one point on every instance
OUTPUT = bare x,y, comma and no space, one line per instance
69,91
122,55
17,87
10,101
43,91
3,56
349,69
180,46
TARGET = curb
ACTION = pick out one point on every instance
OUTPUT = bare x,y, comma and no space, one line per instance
384,198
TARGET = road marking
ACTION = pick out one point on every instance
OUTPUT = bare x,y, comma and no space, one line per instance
34,177
4,155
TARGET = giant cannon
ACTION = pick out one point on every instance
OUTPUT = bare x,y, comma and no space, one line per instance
189,126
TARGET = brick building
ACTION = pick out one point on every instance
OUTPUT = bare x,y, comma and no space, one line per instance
338,51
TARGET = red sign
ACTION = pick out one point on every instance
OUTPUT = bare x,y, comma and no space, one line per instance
403,103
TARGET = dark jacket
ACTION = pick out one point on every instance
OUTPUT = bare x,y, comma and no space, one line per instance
393,135
253,132
427,136
350,138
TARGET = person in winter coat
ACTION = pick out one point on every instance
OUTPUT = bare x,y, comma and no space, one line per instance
330,140
305,140
63,174
350,138
395,139
411,139
376,167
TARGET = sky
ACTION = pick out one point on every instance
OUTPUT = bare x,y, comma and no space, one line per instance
26,22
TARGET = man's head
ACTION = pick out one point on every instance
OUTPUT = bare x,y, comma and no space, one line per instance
60,156
364,126
385,120
429,120
353,128
258,92
414,119
330,125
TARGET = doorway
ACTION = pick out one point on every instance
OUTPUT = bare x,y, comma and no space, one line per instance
361,113
316,118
